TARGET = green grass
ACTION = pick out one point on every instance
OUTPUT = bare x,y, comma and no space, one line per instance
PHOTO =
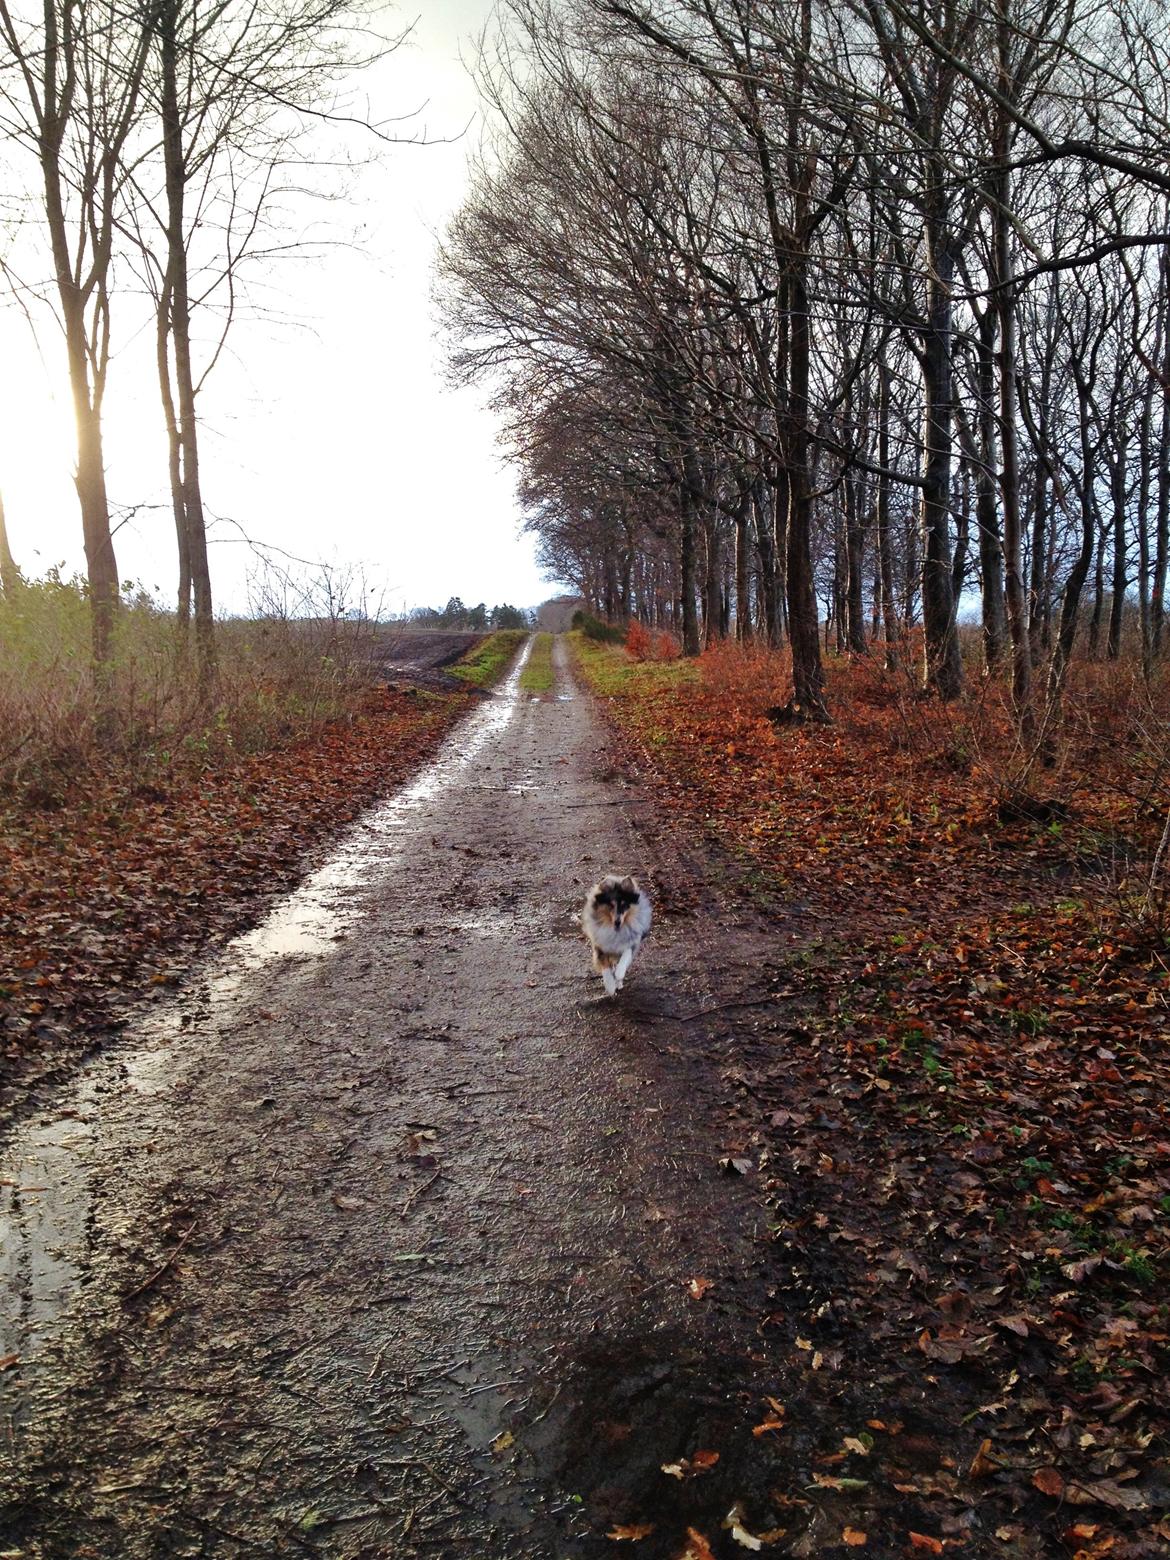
610,671
488,662
538,675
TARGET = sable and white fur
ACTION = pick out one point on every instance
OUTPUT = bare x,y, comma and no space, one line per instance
615,919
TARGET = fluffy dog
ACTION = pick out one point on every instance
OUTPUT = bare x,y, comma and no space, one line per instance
615,919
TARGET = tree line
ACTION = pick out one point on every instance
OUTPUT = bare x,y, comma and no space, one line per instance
477,619
834,313
149,149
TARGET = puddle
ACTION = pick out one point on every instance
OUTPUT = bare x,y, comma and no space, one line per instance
326,906
43,1208
45,1170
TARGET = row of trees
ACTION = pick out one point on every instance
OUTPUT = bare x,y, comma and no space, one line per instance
866,299
147,150
476,619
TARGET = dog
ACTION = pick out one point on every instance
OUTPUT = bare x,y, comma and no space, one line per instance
615,919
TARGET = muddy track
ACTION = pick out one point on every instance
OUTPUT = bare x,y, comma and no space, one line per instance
380,1239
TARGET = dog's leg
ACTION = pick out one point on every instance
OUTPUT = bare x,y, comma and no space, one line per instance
623,965
611,981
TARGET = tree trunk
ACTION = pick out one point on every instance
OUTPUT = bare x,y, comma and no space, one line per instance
1005,308
1120,557
766,545
1145,469
690,485
1098,594
90,475
1162,533
991,559
885,558
808,677
101,564
10,576
743,600
174,469
712,585
854,568
943,671
1075,583
1038,582
180,332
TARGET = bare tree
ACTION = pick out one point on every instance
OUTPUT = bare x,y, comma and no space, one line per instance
10,576
71,98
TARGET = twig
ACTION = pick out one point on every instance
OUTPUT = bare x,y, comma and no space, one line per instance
548,1407
312,1343
149,1283
417,1462
492,1386
418,1191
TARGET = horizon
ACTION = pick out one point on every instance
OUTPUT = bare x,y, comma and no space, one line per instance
336,355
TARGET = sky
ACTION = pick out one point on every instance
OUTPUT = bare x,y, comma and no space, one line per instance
328,429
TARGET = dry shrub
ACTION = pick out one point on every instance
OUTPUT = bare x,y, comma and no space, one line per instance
642,644
750,677
639,641
278,674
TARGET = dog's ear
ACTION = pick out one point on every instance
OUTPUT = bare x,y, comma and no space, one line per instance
629,885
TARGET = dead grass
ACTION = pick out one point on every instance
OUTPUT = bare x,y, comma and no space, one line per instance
278,676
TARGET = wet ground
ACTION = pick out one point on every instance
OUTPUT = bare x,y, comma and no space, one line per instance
416,657
392,1235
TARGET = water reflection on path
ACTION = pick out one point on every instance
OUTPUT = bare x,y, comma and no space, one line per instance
45,1169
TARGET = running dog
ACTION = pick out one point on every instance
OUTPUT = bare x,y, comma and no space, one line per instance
615,919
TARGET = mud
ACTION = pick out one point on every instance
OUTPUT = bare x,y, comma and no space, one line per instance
380,1239
417,657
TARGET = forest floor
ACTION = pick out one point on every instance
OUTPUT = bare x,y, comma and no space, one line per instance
843,1228
975,1094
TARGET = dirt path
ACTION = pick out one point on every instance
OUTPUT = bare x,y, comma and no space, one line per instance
380,1242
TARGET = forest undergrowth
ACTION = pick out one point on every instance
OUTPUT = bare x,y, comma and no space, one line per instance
963,1137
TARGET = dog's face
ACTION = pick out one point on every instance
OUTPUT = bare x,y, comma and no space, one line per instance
614,899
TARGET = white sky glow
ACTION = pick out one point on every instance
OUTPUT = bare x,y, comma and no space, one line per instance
327,428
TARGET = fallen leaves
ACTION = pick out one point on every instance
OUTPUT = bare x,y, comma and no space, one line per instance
983,1463
1049,1482
958,1105
697,1547
698,1287
111,893
925,1543
691,1467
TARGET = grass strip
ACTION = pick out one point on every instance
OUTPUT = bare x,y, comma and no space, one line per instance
487,662
538,675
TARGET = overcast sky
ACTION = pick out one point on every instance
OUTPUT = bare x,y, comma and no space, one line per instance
329,432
